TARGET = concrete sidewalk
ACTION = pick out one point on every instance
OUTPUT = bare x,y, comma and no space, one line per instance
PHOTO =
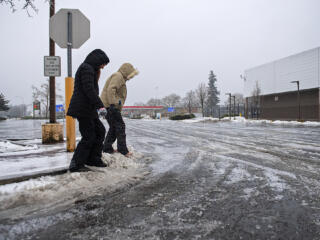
25,159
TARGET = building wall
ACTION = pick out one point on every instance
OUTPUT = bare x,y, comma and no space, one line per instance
284,106
276,77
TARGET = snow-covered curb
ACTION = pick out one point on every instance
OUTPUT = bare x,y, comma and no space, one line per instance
67,188
7,146
243,120
201,119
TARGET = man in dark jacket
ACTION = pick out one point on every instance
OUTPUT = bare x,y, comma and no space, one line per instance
83,106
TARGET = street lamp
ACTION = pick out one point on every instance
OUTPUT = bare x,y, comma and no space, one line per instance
234,107
230,104
243,77
298,86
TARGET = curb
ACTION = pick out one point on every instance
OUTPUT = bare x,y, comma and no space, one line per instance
17,178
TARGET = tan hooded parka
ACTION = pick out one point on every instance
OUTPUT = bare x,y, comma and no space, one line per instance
115,89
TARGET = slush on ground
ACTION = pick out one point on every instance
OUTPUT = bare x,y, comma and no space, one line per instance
192,179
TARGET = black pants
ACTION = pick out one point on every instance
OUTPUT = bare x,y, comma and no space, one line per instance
117,131
89,149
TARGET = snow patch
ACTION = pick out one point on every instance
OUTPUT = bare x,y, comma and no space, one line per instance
248,192
238,174
275,182
7,146
49,191
117,160
201,119
277,122
254,121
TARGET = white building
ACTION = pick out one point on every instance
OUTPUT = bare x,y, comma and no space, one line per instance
275,80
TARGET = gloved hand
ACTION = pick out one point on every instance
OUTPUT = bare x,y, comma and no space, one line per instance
115,112
112,108
102,112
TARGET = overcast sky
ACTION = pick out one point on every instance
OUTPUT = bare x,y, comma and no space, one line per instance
174,43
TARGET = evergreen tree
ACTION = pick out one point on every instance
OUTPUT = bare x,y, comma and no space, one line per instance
3,103
213,94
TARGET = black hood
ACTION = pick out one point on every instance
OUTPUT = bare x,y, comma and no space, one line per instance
97,58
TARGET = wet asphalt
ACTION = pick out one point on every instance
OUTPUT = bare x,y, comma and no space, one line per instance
207,181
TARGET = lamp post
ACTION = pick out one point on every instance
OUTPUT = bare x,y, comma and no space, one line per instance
299,104
230,104
234,107
243,77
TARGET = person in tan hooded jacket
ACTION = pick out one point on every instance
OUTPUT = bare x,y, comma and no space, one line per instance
113,96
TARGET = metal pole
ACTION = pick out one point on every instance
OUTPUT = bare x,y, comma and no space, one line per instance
299,104
69,85
298,84
69,44
230,107
230,104
234,107
52,80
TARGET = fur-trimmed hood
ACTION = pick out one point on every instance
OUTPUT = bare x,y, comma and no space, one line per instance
115,89
128,71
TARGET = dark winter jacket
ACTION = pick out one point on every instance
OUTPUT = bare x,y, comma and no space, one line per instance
85,99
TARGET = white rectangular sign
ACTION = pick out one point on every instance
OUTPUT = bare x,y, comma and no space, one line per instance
52,66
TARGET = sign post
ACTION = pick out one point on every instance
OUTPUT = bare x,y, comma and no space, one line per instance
52,66
69,28
36,107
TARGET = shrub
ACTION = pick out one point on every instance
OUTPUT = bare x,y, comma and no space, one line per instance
182,117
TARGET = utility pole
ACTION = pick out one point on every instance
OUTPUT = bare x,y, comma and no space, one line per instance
52,84
230,104
299,104
52,132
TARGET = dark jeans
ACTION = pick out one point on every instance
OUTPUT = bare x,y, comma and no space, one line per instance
89,149
117,131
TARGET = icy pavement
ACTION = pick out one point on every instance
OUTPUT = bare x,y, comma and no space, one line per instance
209,180
30,157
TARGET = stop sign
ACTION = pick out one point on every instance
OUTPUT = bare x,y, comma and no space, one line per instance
58,28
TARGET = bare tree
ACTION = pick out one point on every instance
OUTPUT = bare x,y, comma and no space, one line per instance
26,5
239,99
256,92
172,100
190,100
154,102
202,94
42,95
138,104
17,111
